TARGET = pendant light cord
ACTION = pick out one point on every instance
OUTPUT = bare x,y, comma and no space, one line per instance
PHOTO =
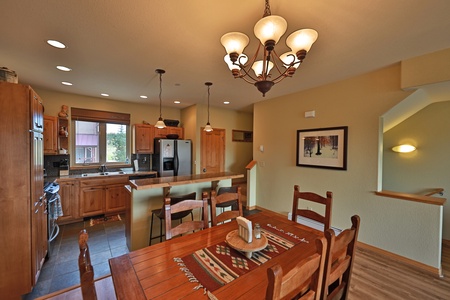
160,93
208,103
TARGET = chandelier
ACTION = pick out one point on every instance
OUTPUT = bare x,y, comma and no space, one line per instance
268,30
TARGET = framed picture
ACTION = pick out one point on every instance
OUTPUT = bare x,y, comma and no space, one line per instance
322,148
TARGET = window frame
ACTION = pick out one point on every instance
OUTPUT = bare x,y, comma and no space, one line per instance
102,118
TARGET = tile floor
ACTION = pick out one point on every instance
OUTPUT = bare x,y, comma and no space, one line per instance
60,271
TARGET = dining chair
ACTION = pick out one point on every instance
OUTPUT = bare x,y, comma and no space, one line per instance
224,200
85,268
304,281
183,206
327,201
339,261
160,214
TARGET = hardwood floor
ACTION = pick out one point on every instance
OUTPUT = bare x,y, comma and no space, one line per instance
379,277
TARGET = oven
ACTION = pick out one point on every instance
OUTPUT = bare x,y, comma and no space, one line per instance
54,210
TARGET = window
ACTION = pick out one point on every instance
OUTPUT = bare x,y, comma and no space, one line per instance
100,137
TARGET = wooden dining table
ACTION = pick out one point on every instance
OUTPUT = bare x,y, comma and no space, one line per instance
153,272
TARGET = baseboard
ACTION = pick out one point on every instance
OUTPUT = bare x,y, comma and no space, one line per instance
413,263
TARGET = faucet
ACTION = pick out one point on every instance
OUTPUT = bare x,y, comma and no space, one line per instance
103,168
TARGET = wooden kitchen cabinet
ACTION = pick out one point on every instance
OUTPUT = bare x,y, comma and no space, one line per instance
163,132
102,196
50,130
143,136
115,198
70,201
24,220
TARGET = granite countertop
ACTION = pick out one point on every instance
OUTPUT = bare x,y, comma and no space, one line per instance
149,183
79,176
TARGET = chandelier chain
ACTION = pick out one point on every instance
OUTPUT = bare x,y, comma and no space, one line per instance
267,11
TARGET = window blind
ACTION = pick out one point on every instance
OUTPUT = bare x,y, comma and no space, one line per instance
81,114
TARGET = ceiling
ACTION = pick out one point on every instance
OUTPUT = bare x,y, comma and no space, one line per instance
115,46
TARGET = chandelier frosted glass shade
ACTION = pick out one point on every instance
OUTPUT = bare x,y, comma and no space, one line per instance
258,67
234,43
301,40
270,28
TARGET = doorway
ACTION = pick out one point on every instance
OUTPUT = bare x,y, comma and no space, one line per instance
212,155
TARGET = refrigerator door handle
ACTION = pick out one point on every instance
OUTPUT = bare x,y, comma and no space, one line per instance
176,160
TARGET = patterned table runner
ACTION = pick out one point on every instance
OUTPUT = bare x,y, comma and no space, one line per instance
217,265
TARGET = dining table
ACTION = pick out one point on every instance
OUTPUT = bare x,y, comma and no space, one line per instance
201,265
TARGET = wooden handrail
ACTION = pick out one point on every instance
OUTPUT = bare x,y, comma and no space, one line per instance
251,165
413,197
439,191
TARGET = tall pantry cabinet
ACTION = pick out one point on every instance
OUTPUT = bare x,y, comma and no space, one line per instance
23,221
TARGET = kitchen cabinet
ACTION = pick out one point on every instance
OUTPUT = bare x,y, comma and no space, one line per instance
143,136
50,140
163,132
24,220
102,196
70,201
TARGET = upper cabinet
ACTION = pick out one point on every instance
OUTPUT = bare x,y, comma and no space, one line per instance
50,140
143,136
163,132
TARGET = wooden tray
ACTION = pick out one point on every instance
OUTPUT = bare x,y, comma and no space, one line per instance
236,242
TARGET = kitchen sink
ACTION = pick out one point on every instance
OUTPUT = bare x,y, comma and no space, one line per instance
103,174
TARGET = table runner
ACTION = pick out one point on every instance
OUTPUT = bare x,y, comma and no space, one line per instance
214,266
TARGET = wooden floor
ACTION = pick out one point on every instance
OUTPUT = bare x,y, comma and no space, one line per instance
379,277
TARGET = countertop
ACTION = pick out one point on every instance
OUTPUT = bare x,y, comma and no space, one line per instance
149,183
78,176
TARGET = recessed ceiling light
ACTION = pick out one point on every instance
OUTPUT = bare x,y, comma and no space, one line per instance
104,95
226,102
66,83
143,97
177,102
62,68
56,44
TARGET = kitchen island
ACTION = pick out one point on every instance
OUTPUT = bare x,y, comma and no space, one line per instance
148,194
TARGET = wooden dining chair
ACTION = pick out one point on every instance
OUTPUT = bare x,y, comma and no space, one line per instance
327,201
161,215
182,206
85,268
339,261
303,282
224,200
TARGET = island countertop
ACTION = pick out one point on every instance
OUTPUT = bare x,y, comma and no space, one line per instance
149,183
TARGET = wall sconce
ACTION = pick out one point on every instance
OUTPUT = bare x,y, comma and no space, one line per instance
404,148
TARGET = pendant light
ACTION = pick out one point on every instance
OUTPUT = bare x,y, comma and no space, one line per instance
208,127
160,124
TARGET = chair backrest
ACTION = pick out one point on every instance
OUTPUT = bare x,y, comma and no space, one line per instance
232,199
175,200
185,205
305,278
310,214
339,261
85,268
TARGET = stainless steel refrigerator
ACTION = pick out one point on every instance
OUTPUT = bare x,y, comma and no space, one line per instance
172,157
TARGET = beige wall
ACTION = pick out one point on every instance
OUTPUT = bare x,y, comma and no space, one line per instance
426,168
390,224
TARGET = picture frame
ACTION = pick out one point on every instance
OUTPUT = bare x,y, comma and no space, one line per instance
322,148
